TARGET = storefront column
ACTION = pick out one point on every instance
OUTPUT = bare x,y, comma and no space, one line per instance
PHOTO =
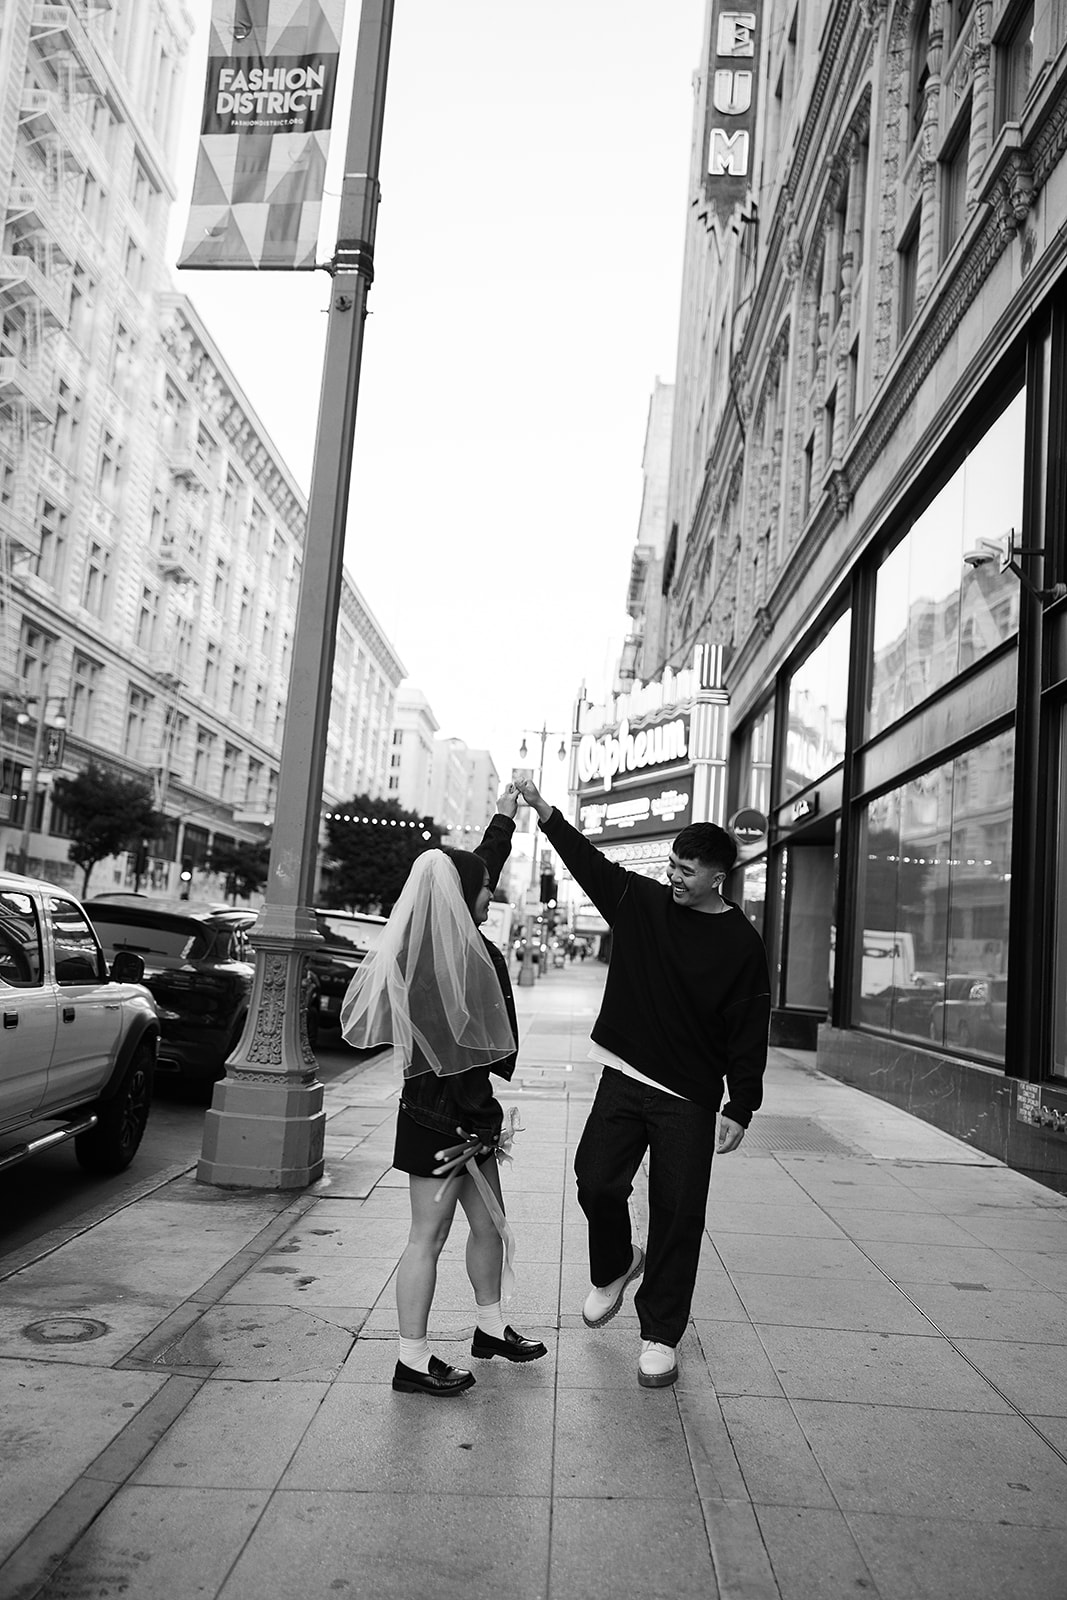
709,737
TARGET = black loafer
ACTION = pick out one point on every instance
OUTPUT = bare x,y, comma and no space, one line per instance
441,1379
513,1347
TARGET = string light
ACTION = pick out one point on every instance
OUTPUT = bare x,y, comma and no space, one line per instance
395,822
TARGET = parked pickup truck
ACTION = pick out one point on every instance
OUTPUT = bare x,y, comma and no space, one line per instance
78,1045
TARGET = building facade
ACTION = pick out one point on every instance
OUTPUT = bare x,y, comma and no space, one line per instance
866,514
411,755
483,791
150,535
641,653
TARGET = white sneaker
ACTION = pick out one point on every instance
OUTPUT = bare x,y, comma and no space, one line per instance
658,1365
602,1304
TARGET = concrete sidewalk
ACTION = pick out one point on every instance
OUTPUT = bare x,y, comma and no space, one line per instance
195,1392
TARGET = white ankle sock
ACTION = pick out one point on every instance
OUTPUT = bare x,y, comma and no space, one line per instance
415,1353
490,1320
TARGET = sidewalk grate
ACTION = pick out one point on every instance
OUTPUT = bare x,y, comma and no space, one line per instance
793,1133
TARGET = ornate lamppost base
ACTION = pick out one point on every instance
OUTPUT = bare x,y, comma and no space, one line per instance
266,1127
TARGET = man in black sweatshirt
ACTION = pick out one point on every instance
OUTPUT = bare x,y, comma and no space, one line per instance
683,1022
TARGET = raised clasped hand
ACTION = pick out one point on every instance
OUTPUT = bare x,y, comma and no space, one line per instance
508,803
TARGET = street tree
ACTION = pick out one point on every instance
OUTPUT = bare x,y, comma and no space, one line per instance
245,865
106,813
370,847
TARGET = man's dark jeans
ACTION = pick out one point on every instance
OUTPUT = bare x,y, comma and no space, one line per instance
626,1120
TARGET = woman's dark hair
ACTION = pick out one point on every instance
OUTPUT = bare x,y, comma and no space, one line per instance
473,874
707,843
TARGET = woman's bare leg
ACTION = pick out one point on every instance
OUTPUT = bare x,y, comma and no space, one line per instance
416,1276
485,1248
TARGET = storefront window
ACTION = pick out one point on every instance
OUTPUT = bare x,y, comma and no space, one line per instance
1059,992
809,918
818,700
934,615
932,957
754,893
758,763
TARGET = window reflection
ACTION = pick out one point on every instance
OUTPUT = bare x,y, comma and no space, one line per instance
934,616
818,700
754,893
932,960
756,763
1059,1003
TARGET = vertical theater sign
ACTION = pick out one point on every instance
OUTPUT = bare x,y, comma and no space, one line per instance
730,125
651,762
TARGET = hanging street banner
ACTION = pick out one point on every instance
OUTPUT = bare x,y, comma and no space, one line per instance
730,105
264,134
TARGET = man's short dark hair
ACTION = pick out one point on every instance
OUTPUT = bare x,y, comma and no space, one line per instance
707,843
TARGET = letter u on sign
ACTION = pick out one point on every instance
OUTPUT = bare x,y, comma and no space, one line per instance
732,93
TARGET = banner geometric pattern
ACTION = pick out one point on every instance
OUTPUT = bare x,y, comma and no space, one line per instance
265,133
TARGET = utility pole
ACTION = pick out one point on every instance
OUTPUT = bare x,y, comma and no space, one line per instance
266,1125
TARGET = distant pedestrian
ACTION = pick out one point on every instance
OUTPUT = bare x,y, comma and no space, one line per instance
684,1020
438,991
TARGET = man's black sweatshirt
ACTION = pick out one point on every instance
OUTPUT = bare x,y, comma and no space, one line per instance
687,997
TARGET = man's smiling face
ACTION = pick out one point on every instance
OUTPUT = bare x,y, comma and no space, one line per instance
694,884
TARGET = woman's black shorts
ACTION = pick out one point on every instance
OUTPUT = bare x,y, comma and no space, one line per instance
416,1147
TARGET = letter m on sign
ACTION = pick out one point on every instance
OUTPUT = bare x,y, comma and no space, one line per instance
728,152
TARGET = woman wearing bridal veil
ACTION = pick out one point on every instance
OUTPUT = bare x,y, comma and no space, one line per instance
439,992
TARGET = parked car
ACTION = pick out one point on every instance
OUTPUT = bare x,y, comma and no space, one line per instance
348,936
906,1007
971,1013
79,1040
198,964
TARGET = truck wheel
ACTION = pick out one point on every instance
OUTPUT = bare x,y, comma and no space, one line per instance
112,1144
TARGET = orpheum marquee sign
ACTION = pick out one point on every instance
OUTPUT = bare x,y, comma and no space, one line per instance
605,758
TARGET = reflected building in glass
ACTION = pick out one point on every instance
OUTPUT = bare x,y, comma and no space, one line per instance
866,514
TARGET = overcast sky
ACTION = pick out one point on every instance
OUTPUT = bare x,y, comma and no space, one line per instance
534,184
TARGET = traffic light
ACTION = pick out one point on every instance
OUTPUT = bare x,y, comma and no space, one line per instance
548,888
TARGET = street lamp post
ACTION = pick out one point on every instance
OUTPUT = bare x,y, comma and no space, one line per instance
266,1125
527,972
41,702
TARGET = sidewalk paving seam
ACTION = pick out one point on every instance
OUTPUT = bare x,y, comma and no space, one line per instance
47,1244
941,1333
34,1561
185,1316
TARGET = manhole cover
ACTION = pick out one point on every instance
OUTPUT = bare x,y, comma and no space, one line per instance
65,1330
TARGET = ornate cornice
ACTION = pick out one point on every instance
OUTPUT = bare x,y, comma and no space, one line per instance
943,316
827,80
871,12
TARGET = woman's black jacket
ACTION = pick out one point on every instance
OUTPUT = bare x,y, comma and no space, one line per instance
466,1099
